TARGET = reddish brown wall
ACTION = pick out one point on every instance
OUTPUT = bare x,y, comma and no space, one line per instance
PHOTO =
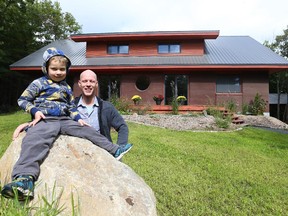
193,47
146,48
96,49
128,87
201,88
254,83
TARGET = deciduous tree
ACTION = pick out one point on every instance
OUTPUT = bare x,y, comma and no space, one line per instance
25,26
279,81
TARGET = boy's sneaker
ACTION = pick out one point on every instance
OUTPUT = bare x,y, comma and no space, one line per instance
122,150
22,188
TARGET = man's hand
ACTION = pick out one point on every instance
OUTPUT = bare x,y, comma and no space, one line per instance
38,116
83,123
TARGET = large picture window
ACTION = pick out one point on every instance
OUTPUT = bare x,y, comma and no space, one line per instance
169,48
228,84
118,49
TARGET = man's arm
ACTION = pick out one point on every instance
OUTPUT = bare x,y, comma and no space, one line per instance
119,124
122,134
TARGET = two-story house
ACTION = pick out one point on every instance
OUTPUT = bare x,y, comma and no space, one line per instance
206,68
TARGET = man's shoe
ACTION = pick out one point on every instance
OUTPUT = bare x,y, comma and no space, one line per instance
122,150
21,188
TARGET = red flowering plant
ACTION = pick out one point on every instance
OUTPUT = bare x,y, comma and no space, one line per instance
158,97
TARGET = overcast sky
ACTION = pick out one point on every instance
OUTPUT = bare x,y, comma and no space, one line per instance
260,19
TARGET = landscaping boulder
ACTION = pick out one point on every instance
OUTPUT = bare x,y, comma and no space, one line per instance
85,179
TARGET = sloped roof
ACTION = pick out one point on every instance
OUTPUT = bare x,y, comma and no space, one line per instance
223,52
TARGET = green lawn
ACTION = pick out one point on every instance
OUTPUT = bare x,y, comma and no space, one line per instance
208,173
203,173
8,123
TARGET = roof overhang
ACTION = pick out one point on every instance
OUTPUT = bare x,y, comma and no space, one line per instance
145,36
150,68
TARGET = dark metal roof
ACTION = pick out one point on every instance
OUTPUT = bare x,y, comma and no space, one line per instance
223,51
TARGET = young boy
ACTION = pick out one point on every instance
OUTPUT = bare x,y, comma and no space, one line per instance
50,101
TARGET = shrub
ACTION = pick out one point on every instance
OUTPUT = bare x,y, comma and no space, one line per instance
220,120
175,106
214,112
223,122
245,109
231,105
121,104
258,105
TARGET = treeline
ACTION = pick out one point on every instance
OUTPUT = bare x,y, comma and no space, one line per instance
278,82
26,26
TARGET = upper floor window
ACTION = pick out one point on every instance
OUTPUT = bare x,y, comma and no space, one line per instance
228,84
169,48
118,49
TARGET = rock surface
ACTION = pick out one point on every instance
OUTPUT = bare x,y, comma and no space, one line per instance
76,169
201,122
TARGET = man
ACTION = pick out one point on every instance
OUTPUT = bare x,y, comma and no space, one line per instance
100,114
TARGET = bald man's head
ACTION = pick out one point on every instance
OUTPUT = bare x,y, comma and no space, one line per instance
89,73
88,83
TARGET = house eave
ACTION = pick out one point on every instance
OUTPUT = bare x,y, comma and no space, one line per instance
259,68
145,36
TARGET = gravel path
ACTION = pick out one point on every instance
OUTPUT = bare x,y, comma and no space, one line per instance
201,122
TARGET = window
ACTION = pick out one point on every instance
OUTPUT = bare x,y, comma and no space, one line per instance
169,48
142,83
109,86
228,84
175,85
118,49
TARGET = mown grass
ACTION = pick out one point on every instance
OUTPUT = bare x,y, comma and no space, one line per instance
203,173
8,123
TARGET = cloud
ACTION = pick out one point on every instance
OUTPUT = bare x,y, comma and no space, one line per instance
260,19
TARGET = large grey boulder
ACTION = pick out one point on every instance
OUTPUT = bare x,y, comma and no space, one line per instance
78,172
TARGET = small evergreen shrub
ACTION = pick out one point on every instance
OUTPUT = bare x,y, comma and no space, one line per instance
258,105
175,106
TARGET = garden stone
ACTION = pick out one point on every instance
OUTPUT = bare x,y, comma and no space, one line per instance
76,171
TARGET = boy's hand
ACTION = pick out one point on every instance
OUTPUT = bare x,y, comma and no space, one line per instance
19,129
38,116
83,123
